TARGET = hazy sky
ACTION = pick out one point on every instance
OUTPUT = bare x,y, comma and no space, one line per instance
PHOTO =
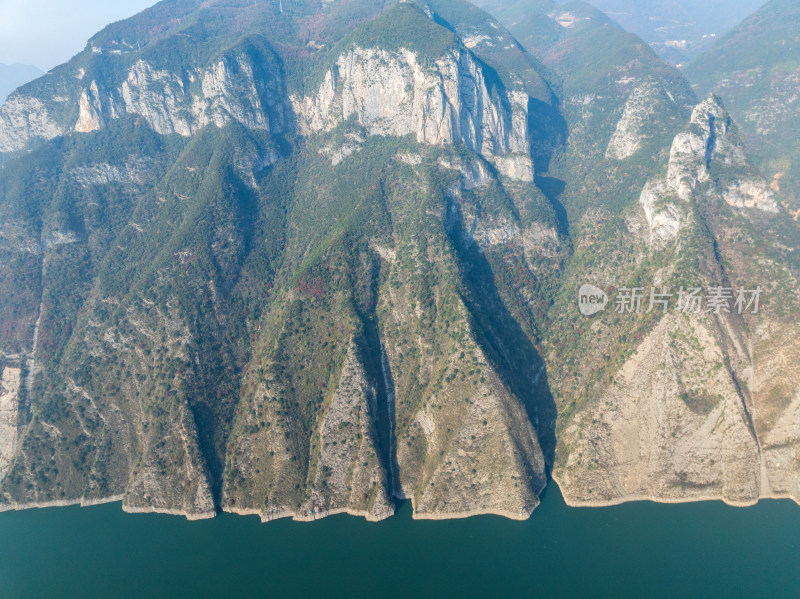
46,33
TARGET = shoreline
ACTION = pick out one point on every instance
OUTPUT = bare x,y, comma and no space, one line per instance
570,502
192,517
298,517
34,505
470,514
18,507
370,517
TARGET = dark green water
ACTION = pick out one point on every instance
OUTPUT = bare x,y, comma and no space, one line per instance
633,550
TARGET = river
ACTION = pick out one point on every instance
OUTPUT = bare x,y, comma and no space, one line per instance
633,550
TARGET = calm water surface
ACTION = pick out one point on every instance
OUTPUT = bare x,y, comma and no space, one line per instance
633,550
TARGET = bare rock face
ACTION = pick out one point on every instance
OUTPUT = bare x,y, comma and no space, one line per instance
226,91
671,426
709,140
663,217
234,88
712,137
635,124
90,117
22,119
776,399
391,93
10,385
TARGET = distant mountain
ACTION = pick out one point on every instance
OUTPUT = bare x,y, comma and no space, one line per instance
756,70
14,75
678,29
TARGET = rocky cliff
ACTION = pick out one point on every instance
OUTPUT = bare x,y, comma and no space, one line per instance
239,86
310,262
453,102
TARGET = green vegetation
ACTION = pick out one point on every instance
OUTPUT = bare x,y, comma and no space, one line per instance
251,318
755,68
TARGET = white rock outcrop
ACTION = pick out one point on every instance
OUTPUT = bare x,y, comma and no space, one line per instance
709,138
23,118
10,385
228,90
664,218
224,92
634,124
90,116
447,103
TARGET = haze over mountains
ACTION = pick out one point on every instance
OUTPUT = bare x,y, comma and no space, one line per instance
303,258
14,75
678,30
755,68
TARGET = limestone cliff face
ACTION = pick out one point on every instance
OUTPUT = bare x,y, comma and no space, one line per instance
10,385
388,93
225,91
709,141
25,118
635,124
452,102
712,137
233,88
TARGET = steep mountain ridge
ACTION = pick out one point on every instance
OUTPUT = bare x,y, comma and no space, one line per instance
662,204
139,398
303,261
674,419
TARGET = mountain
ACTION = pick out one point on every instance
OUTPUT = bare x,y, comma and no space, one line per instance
14,75
682,403
300,259
659,193
273,307
756,69
621,103
678,29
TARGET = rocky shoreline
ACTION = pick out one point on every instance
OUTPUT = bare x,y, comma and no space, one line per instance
668,500
370,517
298,517
16,507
